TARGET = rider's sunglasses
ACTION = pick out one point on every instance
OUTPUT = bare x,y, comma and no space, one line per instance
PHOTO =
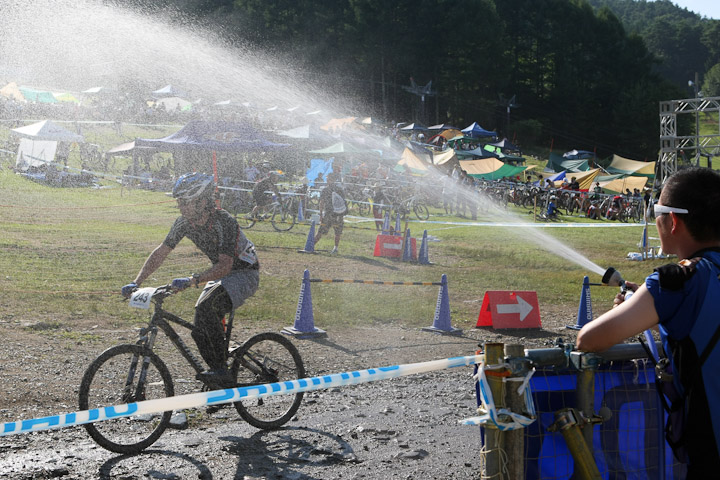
662,209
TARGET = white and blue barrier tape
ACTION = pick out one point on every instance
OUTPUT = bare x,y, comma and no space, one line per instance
501,418
231,395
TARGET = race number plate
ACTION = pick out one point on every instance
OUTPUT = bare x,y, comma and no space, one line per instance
141,298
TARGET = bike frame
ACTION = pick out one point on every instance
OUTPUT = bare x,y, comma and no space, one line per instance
162,319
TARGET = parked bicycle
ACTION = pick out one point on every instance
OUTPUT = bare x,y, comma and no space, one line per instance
282,214
414,203
135,372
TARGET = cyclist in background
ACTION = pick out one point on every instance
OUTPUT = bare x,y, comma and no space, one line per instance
232,278
264,190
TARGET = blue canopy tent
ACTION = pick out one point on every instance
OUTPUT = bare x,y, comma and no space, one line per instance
504,146
478,152
194,141
475,130
218,136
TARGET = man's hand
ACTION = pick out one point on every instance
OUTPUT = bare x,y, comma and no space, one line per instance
128,289
622,296
181,283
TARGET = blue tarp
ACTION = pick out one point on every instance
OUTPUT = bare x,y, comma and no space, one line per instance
628,444
219,136
475,130
318,166
578,154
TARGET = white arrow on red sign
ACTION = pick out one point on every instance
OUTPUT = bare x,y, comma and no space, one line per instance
522,307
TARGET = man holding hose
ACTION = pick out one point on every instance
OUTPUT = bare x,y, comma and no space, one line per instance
682,301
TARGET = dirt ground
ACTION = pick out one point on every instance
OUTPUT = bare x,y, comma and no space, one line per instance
400,428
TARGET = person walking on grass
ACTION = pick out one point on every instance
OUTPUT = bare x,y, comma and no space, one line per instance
333,208
682,301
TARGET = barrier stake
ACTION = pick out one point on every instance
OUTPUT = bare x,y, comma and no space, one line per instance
304,326
300,215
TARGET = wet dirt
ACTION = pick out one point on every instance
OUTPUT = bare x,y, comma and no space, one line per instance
404,428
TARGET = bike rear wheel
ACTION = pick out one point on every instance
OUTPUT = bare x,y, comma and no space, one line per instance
283,218
268,358
114,378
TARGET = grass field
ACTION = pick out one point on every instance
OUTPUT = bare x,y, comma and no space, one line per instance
66,253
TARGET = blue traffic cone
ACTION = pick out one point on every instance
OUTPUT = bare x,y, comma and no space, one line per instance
310,243
423,253
584,314
441,322
300,214
407,248
397,225
304,326
386,224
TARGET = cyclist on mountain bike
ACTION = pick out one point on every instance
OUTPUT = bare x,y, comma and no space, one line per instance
232,278
264,191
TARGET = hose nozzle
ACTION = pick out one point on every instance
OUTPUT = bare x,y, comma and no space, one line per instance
613,278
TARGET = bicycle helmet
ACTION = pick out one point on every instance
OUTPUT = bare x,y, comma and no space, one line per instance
193,186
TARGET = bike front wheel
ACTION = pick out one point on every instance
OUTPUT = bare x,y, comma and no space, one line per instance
245,220
283,219
121,375
421,211
268,358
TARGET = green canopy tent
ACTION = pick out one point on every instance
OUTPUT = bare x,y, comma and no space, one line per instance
502,172
558,163
39,96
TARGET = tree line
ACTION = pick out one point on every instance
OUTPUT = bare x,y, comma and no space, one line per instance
568,73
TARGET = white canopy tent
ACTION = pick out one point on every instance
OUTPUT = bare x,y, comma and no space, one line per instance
47,130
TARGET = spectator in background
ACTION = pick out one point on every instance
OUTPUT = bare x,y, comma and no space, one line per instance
251,172
574,184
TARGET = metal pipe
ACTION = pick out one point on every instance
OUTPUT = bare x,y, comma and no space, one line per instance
557,357
567,422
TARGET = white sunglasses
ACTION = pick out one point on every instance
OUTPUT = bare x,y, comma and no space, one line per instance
662,209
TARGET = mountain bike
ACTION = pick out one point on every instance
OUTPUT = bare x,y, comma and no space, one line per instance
131,373
282,214
415,203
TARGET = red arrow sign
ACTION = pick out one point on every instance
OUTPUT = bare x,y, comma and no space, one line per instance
508,309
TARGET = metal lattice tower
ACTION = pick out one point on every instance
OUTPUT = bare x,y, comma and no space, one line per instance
692,146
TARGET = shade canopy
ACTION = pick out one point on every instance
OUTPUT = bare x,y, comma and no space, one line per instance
475,130
47,130
220,136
